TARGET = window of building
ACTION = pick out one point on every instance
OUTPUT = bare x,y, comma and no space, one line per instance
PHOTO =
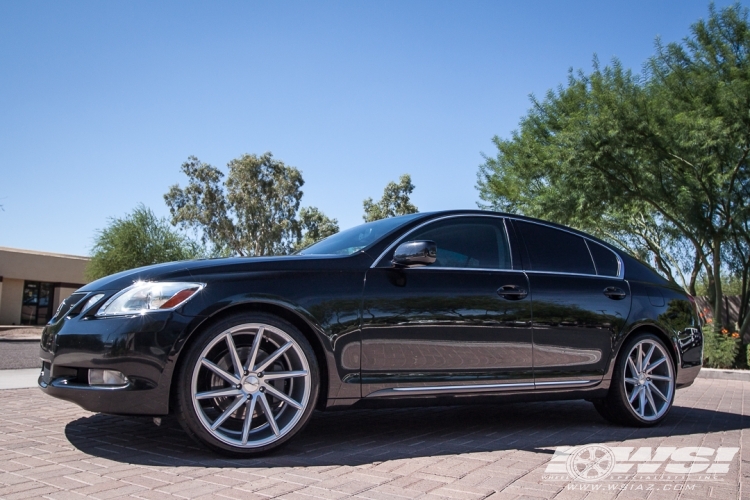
36,308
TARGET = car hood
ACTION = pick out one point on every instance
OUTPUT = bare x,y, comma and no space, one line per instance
197,270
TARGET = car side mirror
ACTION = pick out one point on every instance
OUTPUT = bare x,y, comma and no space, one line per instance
415,253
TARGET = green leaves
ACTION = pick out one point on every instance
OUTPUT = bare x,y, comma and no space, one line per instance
315,226
654,162
251,213
138,239
395,201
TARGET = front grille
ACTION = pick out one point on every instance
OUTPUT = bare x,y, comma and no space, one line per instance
67,304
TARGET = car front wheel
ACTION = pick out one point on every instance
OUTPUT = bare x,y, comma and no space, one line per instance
248,384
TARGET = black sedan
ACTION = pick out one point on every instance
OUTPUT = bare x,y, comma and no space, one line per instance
429,308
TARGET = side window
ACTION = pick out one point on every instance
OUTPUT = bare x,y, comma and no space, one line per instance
554,250
605,260
467,242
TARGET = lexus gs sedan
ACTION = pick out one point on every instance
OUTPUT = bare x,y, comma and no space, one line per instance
429,308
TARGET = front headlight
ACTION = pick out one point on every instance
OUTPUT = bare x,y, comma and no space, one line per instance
143,297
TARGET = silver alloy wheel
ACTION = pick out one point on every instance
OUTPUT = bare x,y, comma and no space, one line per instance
251,385
649,379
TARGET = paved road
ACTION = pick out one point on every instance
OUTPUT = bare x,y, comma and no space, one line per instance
16,354
52,449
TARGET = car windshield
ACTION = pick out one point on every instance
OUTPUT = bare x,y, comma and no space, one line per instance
355,239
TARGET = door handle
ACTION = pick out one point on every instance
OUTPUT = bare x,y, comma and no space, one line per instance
615,293
512,292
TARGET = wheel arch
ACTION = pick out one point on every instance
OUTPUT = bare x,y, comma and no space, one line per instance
274,309
654,330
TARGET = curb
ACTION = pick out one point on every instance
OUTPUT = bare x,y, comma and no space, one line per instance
714,373
19,379
20,333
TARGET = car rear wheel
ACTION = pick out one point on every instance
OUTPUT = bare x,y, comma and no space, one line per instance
643,384
248,384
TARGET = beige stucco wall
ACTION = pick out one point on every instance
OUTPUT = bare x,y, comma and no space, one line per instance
17,266
40,266
10,306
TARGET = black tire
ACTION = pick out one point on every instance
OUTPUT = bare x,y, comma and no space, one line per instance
254,392
616,407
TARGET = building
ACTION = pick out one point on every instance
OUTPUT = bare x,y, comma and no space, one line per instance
32,284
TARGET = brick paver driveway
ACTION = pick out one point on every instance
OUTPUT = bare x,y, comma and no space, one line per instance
53,449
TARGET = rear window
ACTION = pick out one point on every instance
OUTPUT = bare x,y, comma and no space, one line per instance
553,250
605,260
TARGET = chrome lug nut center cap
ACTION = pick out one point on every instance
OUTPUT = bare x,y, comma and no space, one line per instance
251,383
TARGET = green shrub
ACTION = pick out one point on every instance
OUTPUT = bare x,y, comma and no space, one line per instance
719,349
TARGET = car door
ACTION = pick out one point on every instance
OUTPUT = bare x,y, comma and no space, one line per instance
445,328
579,304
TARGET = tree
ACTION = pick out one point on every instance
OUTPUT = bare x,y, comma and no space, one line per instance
138,239
665,150
315,226
395,201
251,213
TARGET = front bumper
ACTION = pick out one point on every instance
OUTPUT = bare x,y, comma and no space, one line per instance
143,347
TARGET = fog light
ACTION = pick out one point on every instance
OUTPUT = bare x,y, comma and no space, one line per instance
107,377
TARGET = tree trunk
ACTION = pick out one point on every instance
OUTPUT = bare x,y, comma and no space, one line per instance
718,292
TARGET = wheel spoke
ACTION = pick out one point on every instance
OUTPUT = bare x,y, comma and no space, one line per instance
650,398
631,381
640,358
660,377
281,375
254,349
642,402
655,364
655,389
599,468
226,391
633,369
228,412
221,373
650,352
273,357
280,395
238,371
635,393
269,414
249,409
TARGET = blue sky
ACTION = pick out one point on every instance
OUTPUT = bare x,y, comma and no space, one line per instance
101,102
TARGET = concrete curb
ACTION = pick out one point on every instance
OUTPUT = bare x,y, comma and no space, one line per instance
19,379
714,373
20,333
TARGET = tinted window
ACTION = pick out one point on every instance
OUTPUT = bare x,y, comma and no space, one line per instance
554,250
467,242
604,258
